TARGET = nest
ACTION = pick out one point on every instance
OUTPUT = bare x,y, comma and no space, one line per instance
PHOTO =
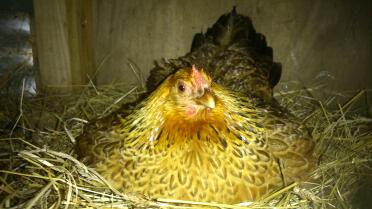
39,169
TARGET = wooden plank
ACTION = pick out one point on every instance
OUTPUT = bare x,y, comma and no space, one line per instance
79,19
64,43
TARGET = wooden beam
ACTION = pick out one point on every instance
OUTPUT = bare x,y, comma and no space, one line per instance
63,31
79,17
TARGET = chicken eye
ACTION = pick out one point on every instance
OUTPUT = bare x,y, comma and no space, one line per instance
181,87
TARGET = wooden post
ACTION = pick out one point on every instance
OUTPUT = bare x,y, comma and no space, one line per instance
63,31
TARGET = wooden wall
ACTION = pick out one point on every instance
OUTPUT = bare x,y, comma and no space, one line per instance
310,38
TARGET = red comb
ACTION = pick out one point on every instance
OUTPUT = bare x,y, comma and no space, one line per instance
197,76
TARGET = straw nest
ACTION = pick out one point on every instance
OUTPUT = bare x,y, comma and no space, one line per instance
39,170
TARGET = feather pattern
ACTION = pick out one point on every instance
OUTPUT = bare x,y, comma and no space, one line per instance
238,151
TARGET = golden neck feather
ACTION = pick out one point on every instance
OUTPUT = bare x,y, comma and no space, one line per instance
154,121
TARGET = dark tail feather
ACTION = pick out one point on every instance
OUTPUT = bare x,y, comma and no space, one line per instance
230,28
275,74
197,41
234,29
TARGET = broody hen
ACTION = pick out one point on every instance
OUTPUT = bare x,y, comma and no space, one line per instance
193,139
233,53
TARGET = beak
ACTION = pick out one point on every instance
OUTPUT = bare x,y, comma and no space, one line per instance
207,99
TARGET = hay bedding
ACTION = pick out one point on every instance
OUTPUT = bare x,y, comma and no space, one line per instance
38,168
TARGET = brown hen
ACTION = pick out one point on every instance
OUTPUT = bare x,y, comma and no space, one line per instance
192,139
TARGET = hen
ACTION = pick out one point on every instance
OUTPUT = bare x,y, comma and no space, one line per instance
215,136
233,53
193,139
